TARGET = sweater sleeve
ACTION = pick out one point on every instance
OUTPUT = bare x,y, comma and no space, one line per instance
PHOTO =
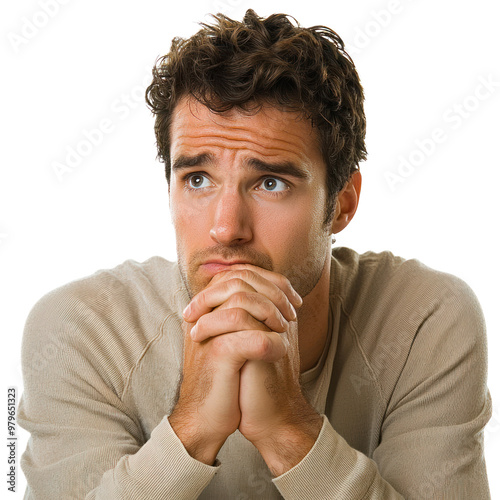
431,442
85,443
332,469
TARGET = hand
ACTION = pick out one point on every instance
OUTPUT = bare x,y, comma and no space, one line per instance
253,302
271,402
207,411
225,313
275,416
270,393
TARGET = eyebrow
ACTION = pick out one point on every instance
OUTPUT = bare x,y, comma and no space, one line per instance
191,161
281,168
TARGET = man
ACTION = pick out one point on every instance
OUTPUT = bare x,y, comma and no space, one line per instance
263,364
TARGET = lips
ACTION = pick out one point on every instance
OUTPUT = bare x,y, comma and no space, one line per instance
227,262
216,266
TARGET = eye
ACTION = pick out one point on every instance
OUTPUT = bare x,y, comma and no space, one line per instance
274,184
197,181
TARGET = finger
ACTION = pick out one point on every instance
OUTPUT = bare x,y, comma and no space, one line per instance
213,296
250,274
228,320
251,345
259,307
279,280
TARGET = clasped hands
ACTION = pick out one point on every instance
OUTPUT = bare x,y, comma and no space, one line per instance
242,367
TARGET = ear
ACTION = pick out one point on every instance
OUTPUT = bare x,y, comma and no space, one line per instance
347,203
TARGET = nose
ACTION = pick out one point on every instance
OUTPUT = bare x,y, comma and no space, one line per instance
231,220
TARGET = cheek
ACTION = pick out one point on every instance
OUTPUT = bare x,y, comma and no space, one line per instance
185,221
185,214
294,229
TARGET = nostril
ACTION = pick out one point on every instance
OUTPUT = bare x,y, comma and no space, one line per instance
231,225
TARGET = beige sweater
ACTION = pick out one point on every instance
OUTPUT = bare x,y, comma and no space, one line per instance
401,386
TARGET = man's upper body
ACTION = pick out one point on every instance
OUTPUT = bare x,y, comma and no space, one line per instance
401,384
258,349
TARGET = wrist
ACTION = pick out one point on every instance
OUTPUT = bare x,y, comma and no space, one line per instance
199,444
286,447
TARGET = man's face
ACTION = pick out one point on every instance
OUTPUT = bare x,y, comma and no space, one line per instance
247,188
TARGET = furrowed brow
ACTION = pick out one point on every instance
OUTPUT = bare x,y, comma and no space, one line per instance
282,168
184,161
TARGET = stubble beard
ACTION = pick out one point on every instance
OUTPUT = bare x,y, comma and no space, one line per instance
303,275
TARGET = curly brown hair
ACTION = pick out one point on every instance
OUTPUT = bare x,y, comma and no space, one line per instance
256,61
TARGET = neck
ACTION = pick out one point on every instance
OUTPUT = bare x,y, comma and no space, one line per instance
313,319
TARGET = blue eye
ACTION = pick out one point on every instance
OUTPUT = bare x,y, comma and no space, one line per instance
273,184
196,181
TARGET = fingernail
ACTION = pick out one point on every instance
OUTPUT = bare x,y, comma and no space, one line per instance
284,324
187,310
193,332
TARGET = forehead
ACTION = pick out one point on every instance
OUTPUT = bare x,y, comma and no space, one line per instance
268,132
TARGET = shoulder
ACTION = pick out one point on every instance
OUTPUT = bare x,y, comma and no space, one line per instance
107,318
130,285
372,282
398,308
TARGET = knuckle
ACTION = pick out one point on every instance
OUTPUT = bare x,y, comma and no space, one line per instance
285,282
262,344
271,312
236,283
280,299
239,298
245,274
269,309
236,315
220,345
283,299
201,299
219,276
278,294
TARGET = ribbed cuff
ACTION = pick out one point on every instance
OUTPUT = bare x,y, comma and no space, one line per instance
331,469
164,469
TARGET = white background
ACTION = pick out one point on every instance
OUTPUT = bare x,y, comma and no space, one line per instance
63,73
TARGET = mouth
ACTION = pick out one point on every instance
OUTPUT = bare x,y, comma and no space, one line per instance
215,266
